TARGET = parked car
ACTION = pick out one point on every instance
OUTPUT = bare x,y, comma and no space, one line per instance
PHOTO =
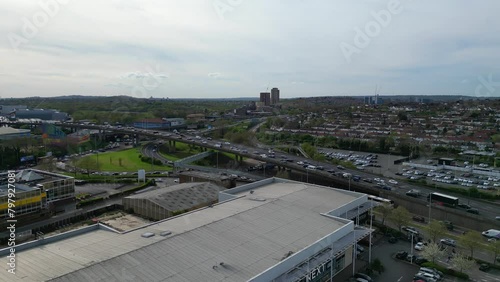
411,257
401,255
422,277
419,260
392,181
428,276
419,246
363,276
437,274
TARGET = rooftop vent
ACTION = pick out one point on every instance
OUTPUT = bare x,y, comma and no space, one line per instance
165,233
258,199
148,235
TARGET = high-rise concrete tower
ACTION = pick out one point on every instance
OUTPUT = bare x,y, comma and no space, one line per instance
275,96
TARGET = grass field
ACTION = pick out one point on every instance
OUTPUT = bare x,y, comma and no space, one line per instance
110,161
181,151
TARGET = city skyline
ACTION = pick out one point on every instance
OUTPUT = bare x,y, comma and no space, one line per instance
233,49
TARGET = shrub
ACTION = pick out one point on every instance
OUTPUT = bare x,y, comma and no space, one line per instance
445,270
90,201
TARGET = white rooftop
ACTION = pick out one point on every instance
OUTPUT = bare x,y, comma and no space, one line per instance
248,235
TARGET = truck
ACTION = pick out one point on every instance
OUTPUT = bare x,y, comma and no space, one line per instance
492,233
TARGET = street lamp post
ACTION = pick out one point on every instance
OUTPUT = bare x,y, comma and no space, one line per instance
411,249
370,242
349,183
430,204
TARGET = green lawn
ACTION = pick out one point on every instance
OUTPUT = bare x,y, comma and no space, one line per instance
181,151
110,161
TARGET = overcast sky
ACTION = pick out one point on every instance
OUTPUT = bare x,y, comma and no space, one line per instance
237,48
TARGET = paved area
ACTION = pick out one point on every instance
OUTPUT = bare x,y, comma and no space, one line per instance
395,270
123,222
398,270
97,188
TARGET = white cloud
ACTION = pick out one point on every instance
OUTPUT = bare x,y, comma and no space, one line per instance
429,48
214,75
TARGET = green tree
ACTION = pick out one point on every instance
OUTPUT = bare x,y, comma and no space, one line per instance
88,164
494,247
377,266
470,240
436,229
400,216
48,164
385,210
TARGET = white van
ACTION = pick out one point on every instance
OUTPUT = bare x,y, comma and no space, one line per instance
492,233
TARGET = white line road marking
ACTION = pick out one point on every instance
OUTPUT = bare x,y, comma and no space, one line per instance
400,278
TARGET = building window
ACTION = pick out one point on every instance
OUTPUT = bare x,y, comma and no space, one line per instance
338,264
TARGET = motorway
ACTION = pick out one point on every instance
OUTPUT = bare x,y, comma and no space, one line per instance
486,209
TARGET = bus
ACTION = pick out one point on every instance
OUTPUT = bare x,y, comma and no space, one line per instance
443,199
380,200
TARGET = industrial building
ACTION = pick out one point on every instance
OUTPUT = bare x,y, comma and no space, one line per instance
166,202
270,230
40,114
160,123
9,133
6,110
200,176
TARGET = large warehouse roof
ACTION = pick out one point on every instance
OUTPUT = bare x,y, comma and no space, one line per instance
182,196
231,241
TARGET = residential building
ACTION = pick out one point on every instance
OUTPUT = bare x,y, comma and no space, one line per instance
275,96
265,98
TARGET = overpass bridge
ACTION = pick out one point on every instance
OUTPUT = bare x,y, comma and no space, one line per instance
184,162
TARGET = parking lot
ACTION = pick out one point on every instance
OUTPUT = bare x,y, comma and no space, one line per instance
400,270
